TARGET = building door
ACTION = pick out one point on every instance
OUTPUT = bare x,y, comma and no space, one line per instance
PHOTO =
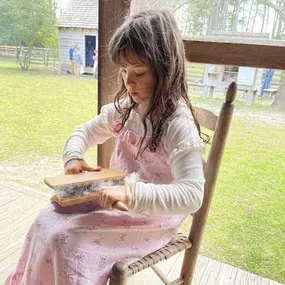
90,45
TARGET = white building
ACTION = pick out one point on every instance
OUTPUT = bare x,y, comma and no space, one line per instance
78,23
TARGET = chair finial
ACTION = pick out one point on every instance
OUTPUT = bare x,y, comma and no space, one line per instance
231,92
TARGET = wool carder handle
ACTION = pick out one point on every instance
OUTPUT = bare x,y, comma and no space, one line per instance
120,206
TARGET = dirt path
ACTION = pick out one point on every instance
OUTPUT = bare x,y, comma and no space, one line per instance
257,116
31,174
261,117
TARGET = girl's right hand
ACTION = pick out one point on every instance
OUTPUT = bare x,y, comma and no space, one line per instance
75,166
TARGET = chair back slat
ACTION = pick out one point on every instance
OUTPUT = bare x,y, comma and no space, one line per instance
205,118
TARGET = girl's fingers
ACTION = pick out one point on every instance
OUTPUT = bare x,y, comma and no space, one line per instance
72,171
100,198
105,200
98,168
74,166
86,167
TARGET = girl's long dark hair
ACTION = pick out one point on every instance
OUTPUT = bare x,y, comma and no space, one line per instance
154,38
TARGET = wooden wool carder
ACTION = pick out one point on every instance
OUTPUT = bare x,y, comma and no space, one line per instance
83,187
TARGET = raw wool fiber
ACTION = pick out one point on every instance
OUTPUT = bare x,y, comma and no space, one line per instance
82,190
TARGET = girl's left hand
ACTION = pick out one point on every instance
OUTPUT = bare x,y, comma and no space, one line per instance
110,194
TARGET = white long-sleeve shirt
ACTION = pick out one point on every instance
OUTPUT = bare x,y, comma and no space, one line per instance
184,149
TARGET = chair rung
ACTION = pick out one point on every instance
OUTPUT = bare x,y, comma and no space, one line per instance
160,274
177,244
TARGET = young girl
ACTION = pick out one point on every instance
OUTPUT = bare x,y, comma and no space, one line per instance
157,137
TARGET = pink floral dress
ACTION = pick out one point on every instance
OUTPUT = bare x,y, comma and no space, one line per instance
79,244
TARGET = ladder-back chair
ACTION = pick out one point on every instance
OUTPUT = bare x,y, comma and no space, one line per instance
191,244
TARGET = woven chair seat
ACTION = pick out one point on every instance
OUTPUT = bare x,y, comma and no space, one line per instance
178,243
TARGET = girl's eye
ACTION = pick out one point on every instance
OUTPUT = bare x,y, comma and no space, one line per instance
140,73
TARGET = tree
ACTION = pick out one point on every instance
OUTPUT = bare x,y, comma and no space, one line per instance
192,15
26,23
196,16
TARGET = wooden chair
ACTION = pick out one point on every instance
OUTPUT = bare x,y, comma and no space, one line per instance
191,244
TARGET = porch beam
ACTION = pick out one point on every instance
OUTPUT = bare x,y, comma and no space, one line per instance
236,51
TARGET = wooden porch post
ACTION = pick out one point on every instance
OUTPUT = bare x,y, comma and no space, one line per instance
111,16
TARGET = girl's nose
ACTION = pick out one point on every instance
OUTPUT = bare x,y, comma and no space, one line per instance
129,81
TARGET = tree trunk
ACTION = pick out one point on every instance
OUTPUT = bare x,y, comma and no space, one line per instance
283,29
214,18
236,15
224,15
255,16
243,16
18,51
267,17
249,17
26,61
276,17
263,18
279,102
278,33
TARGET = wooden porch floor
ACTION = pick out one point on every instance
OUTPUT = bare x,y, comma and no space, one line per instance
19,206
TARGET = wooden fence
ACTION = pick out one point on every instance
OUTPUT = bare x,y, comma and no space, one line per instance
40,56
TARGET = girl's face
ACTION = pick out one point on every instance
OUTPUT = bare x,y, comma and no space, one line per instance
139,81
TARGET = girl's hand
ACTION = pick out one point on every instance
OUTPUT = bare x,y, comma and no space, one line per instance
75,166
110,194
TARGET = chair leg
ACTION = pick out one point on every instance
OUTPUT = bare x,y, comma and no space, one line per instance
119,274
188,267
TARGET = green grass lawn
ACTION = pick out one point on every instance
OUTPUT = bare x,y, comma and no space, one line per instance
39,111
246,226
